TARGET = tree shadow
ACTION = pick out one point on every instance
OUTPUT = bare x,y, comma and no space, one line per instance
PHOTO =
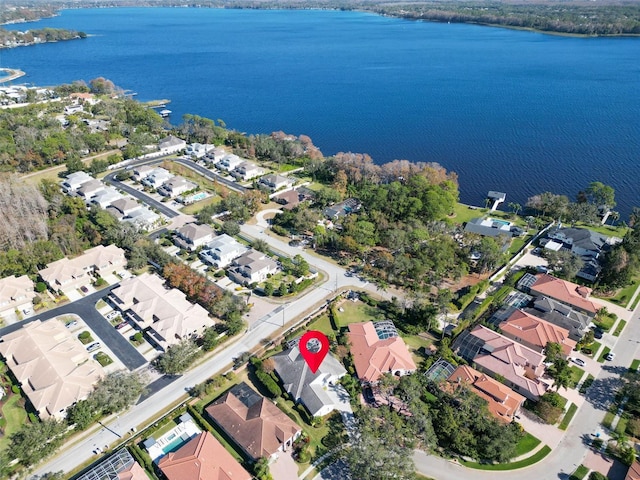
601,392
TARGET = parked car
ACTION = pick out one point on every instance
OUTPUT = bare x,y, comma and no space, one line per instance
121,325
93,346
112,315
84,289
598,332
70,324
578,361
609,356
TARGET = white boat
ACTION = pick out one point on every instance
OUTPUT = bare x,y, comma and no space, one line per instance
165,113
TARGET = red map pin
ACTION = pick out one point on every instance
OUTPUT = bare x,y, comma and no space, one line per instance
314,354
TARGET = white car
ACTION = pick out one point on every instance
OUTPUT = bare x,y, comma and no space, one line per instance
93,346
578,361
609,356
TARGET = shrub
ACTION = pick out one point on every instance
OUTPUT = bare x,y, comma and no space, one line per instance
15,389
269,383
41,287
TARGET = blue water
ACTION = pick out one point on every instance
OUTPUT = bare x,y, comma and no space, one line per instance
512,111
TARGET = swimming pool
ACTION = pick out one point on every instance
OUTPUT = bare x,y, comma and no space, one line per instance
500,222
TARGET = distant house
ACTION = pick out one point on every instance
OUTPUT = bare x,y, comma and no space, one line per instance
341,209
75,180
378,349
89,189
54,369
319,392
123,207
275,182
73,109
488,227
202,458
176,186
229,162
106,197
163,313
535,333
254,423
503,402
142,172
119,466
246,171
191,236
519,366
79,271
199,150
562,315
290,199
171,144
215,155
16,293
143,218
157,177
222,250
571,294
252,267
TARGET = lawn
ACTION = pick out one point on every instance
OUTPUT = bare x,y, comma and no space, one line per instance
594,347
355,312
605,322
623,297
528,443
608,230
576,375
605,350
580,473
608,417
539,455
564,424
619,328
197,206
464,213
622,425
15,415
322,324
416,344
634,365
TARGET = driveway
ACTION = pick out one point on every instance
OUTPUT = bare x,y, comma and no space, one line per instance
284,468
85,308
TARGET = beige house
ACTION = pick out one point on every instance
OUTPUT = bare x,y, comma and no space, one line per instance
77,272
53,368
164,313
15,292
191,236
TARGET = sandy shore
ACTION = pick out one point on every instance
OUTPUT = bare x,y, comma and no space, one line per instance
12,74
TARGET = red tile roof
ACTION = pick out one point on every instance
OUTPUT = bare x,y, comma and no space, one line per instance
535,332
566,292
373,357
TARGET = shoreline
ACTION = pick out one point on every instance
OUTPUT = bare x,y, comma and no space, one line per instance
12,74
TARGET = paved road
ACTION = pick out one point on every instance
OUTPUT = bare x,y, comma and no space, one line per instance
208,174
143,197
85,309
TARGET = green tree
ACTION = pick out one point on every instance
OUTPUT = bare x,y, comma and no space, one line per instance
178,358
601,194
117,391
35,441
261,469
231,228
81,414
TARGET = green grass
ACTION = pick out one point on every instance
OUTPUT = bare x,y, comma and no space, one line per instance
605,350
564,424
580,473
608,230
15,415
576,375
526,444
623,297
322,324
608,418
516,244
605,322
416,343
197,206
619,328
635,303
594,347
586,384
355,312
101,304
622,425
103,359
535,458
634,365
462,213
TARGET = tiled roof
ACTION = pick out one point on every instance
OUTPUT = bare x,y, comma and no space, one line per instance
373,357
536,332
567,292
202,458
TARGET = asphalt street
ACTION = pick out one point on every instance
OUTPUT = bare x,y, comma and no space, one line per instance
85,308
159,206
208,174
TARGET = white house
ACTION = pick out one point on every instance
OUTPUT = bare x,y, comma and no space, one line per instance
246,171
157,177
229,162
176,186
171,144
199,150
214,156
143,218
222,251
75,180
276,182
192,236
89,190
252,267
106,197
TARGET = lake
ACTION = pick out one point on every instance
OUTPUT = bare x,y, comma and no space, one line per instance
508,110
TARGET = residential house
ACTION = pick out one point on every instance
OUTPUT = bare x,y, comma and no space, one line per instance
634,471
253,422
89,189
79,271
488,227
275,182
164,313
199,150
562,315
202,458
215,155
319,392
73,109
16,293
83,98
290,199
503,403
246,171
171,144
176,186
519,366
252,267
341,209
119,466
141,172
222,250
571,294
191,236
229,162
143,218
122,207
106,197
157,177
378,349
535,333
75,180
54,369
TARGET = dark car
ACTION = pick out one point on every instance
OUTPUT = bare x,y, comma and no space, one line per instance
121,325
598,332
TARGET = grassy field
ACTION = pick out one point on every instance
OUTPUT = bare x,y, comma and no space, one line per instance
623,297
15,415
528,443
609,416
564,424
580,473
355,312
197,206
464,213
539,455
619,328
322,324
